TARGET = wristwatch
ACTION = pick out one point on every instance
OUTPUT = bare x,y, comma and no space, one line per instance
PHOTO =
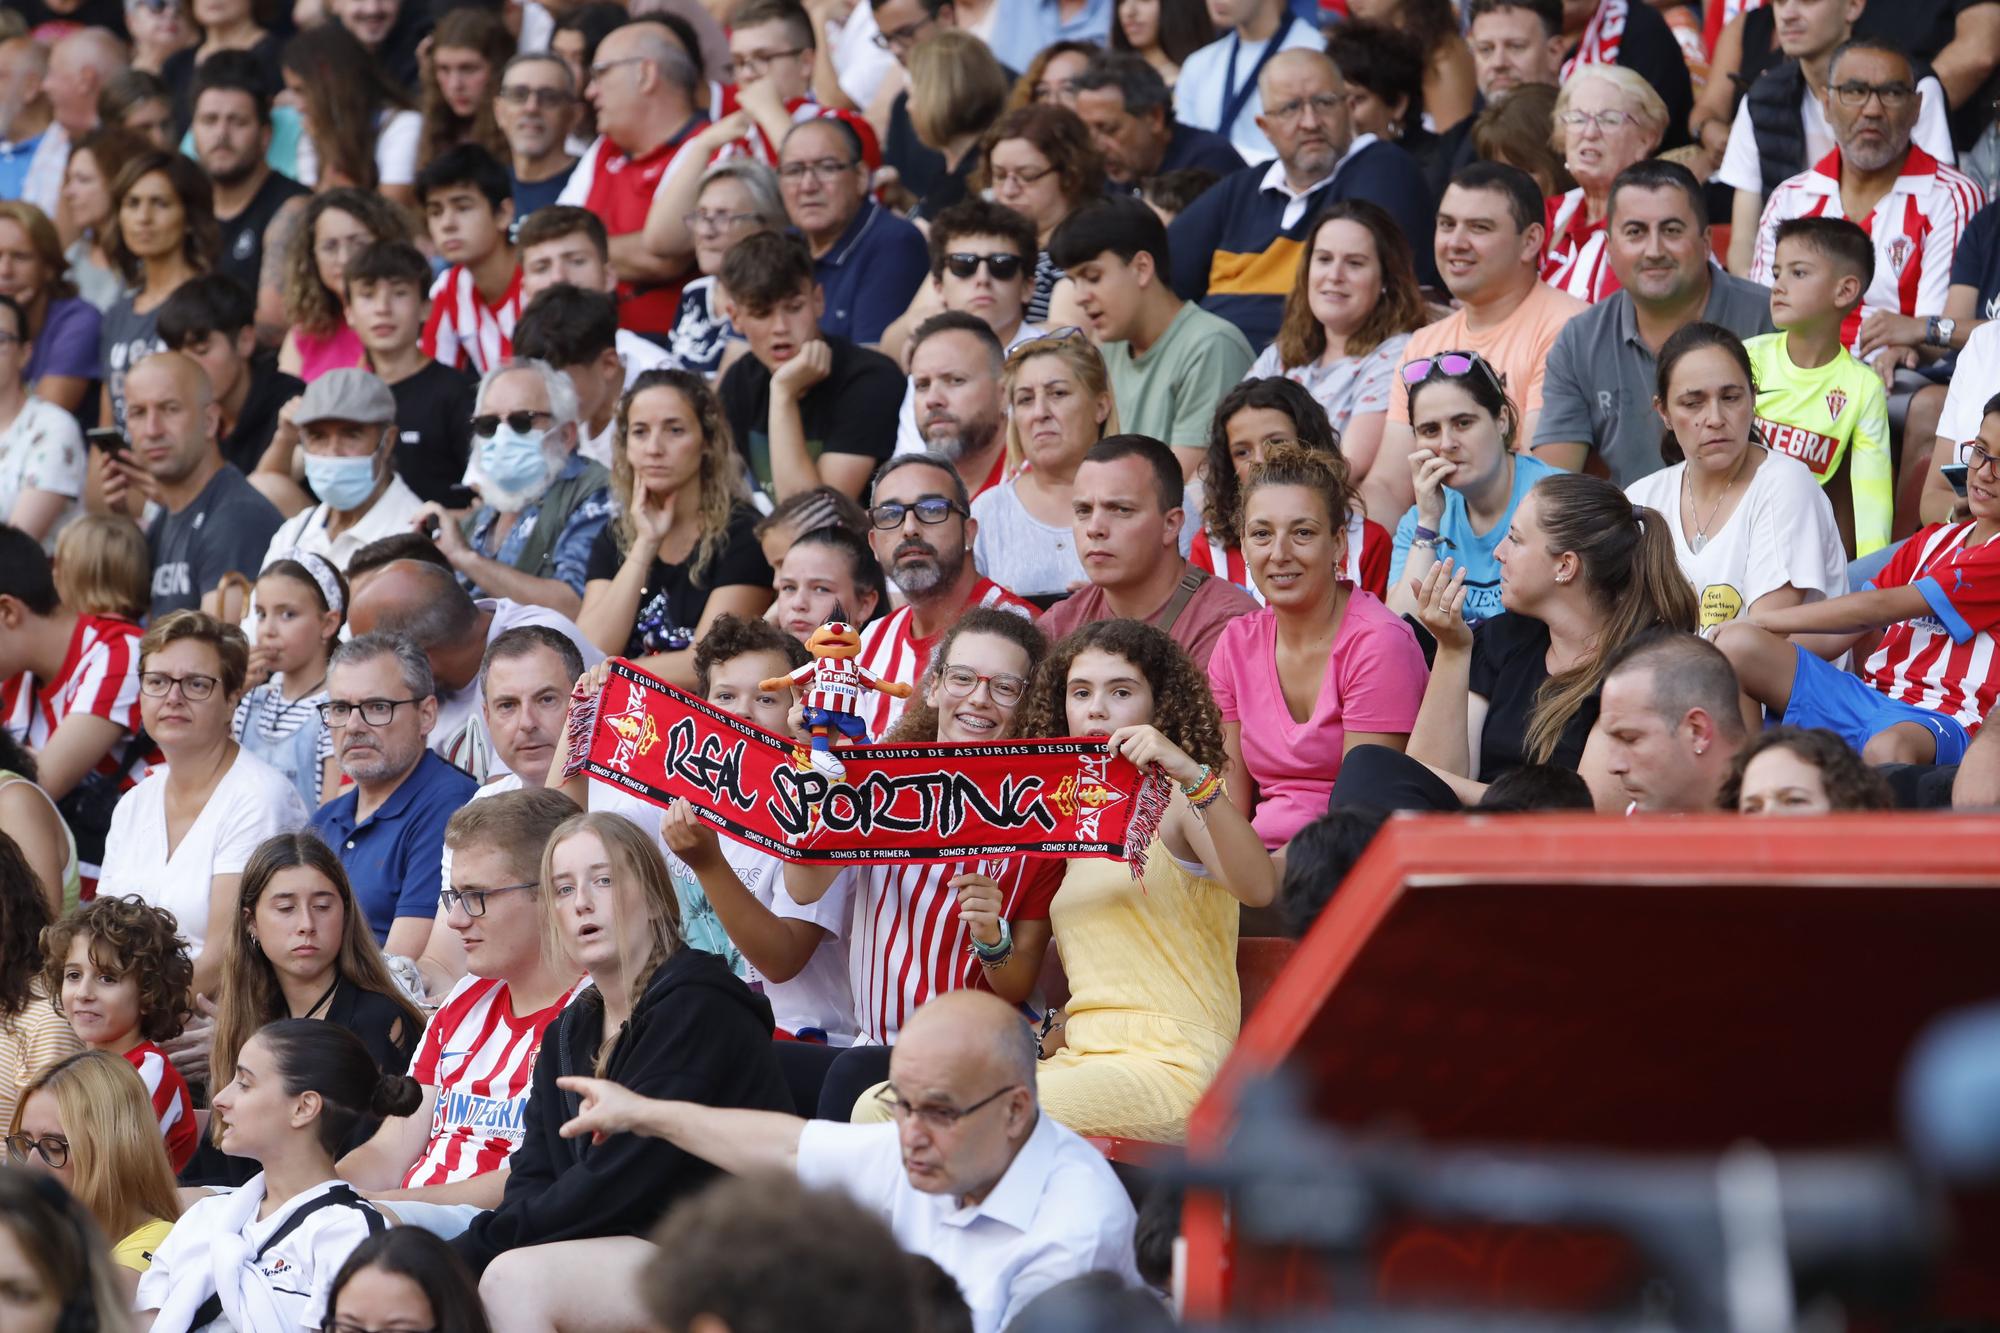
1938,331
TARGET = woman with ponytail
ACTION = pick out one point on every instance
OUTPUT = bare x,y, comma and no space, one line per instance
1582,570
265,1256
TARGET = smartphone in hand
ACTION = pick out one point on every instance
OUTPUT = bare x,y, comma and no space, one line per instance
108,438
1955,474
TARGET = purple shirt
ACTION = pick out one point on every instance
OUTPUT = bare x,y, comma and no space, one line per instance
68,342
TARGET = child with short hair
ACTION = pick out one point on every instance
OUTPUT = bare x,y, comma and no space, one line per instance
121,975
102,567
387,288
468,204
1814,400
300,606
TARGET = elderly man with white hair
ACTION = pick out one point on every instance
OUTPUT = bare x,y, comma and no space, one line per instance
542,503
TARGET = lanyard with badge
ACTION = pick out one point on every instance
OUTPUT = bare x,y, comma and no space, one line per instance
1236,97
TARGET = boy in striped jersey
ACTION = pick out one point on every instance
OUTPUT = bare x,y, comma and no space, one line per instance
1932,679
478,1054
468,207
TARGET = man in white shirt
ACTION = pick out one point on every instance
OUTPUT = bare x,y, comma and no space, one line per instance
346,421
1218,84
971,1174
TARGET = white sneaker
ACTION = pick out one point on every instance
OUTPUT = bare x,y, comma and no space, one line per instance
827,763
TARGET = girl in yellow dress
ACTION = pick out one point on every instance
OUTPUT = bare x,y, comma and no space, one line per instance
1154,1005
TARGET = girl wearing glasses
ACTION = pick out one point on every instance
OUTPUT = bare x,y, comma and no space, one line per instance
1607,118
469,49
264,1256
299,948
179,839
404,1279
1154,1004
710,210
88,1123
1467,476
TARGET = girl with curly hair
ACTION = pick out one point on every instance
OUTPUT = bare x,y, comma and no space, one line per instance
683,548
1153,1005
122,977
162,232
335,226
1802,771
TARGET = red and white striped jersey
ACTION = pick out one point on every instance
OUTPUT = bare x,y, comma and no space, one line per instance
908,943
463,331
100,678
480,1057
1369,549
888,652
835,684
1915,229
1577,262
171,1106
1944,661
757,144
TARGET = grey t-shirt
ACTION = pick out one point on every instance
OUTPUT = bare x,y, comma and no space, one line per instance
228,526
1599,386
126,339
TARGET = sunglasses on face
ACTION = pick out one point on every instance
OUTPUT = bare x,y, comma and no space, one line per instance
520,423
1003,267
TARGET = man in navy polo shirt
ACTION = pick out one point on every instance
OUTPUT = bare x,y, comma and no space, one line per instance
388,831
869,261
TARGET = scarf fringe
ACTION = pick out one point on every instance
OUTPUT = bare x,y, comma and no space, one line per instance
1150,804
582,722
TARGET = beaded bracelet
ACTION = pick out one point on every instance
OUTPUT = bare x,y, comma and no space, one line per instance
1203,793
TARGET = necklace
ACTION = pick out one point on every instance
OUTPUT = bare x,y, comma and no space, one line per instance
1700,538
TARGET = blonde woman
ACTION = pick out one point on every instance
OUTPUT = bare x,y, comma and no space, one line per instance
660,1018
1059,403
957,91
683,549
88,1122
1607,118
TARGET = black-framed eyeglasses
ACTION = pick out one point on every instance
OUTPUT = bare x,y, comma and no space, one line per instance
936,1118
1975,458
473,901
1022,176
520,422
546,98
1004,267
903,36
375,712
53,1149
1856,94
756,62
193,688
930,511
1005,688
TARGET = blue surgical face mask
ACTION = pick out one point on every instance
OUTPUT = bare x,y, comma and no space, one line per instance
343,483
515,461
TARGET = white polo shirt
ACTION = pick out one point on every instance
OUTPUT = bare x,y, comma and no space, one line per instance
1058,1213
388,516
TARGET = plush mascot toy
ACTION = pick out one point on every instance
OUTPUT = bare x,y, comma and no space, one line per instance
829,686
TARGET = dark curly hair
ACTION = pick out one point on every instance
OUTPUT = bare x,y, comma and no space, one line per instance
919,722
732,636
1183,708
1222,506
1850,783
128,936
24,915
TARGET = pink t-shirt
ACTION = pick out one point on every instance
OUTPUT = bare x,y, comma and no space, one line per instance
339,350
1375,677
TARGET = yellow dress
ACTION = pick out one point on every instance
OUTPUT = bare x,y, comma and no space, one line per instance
136,1250
1154,1005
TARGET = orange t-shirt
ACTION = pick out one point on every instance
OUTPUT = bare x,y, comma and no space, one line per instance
1518,347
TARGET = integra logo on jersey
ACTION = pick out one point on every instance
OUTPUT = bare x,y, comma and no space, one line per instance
499,1116
1816,451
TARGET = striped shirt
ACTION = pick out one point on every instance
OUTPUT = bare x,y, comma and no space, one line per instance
480,1057
890,652
99,678
1368,552
908,943
1577,262
1944,661
169,1093
1915,228
265,715
757,144
464,332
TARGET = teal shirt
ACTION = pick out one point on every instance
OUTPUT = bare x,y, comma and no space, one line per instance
1170,391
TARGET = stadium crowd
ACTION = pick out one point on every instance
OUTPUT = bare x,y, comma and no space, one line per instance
1334,406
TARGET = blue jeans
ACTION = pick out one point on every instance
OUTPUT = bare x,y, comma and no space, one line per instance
1863,571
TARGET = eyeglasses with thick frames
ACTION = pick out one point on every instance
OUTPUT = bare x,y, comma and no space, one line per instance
1004,267
193,688
1005,689
375,712
485,427
930,511
473,901
937,1119
1022,176
1854,94
546,98
1975,458
53,1149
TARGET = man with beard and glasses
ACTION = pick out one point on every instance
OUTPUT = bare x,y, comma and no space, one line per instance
542,503
388,828
1597,395
922,533
961,409
253,204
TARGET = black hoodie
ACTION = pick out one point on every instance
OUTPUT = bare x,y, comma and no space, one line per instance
697,1034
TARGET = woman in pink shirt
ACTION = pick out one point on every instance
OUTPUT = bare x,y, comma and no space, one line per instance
1324,667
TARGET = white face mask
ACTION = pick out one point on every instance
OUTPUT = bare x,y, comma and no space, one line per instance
516,467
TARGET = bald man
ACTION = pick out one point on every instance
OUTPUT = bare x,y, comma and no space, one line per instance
425,603
1237,247
211,520
970,1173
31,160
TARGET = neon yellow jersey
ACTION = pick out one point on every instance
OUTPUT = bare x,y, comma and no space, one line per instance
1822,417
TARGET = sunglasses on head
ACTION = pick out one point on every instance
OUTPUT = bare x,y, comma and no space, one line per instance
1450,365
1003,267
519,422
